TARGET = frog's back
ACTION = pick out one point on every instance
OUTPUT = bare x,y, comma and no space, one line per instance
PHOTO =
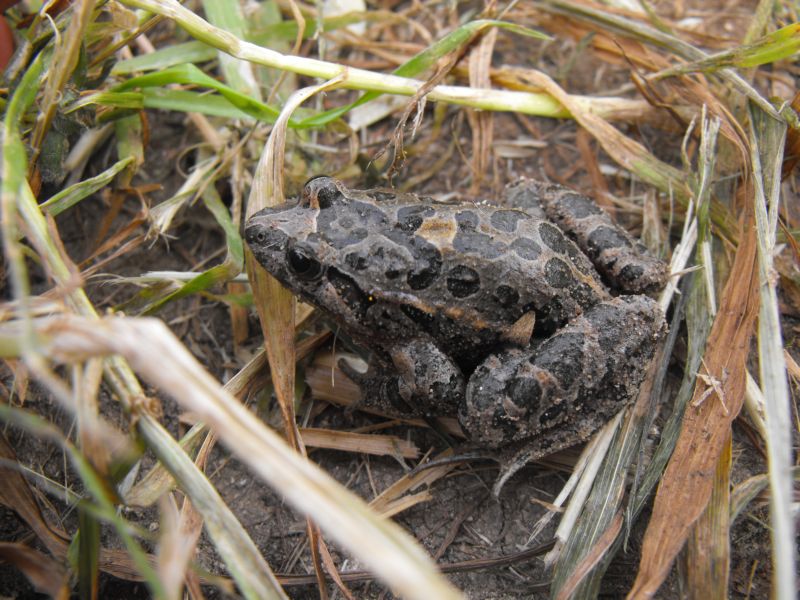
474,266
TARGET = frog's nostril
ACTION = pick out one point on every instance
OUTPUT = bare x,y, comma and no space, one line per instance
255,234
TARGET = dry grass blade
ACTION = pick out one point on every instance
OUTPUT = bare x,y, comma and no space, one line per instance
625,151
708,548
379,445
164,361
47,575
178,537
767,141
276,305
582,480
688,481
388,501
591,558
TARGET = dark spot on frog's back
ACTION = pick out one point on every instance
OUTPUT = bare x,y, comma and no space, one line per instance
341,238
526,248
328,216
506,220
558,274
428,264
467,220
631,272
580,206
480,244
369,215
562,355
604,238
554,238
409,218
463,281
356,261
526,392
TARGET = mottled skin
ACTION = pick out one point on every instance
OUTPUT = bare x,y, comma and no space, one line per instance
492,313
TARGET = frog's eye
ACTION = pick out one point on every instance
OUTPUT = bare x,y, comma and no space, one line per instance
321,192
303,264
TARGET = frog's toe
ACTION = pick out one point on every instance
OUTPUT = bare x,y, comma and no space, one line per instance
511,463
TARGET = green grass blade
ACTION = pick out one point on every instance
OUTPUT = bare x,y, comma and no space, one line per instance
188,74
207,104
70,196
88,537
776,46
525,102
231,267
166,57
452,42
228,15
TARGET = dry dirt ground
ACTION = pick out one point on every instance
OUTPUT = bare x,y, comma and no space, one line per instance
462,521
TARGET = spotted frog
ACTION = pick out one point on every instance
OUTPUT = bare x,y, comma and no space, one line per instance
503,315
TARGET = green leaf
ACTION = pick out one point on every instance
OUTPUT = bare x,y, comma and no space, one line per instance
773,47
75,193
188,74
163,58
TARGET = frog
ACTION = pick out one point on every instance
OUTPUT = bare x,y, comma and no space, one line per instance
530,320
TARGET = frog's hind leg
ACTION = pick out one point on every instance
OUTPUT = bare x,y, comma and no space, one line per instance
528,403
621,260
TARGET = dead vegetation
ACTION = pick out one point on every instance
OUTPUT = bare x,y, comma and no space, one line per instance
139,134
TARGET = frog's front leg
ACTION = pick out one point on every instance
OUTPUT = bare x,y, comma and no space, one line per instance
622,260
562,390
414,378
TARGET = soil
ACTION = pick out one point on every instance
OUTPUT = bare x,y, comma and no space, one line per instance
462,521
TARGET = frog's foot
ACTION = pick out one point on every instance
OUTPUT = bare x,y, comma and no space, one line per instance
428,379
622,260
379,388
420,381
510,460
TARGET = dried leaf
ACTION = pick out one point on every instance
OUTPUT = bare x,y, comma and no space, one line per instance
46,575
708,549
688,481
380,445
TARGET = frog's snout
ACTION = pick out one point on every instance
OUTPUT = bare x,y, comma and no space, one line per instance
267,240
256,233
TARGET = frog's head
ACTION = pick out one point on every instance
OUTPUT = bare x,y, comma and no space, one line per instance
302,244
